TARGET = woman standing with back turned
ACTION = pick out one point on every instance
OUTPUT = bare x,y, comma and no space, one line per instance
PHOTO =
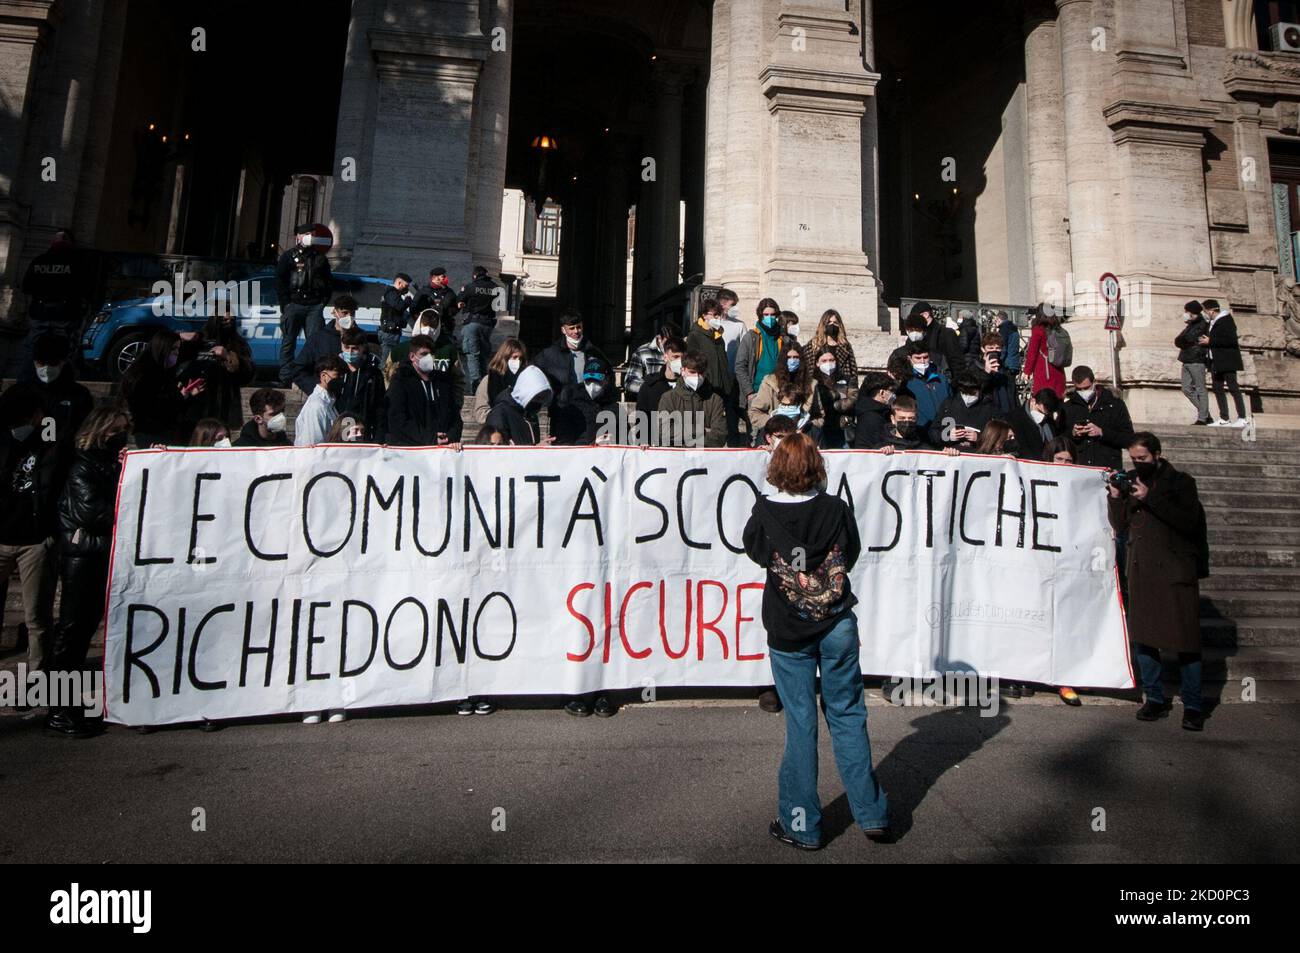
808,542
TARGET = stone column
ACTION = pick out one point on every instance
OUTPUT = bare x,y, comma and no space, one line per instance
1045,155
742,142
24,31
491,128
693,161
715,132
816,88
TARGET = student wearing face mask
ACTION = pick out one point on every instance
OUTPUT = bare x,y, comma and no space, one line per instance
694,401
421,407
156,396
1167,554
503,370
962,417
565,363
52,377
838,398
792,369
999,385
727,304
597,396
221,357
210,432
319,412
759,351
1098,421
86,509
32,471
874,412
927,386
1037,422
707,337
656,386
514,415
913,333
831,335
361,393
349,429
1223,355
1192,355
327,342
268,426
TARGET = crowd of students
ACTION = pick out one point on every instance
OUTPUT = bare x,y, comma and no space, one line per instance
721,382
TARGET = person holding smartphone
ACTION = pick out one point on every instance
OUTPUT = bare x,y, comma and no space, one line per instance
963,416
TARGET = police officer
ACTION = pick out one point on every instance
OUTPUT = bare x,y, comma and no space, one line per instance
478,300
59,284
303,283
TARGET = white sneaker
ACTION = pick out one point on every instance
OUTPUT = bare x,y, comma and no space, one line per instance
312,719
1241,423
337,716
1218,423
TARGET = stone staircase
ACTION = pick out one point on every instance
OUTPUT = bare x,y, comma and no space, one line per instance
1250,604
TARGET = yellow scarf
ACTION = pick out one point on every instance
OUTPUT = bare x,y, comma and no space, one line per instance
704,325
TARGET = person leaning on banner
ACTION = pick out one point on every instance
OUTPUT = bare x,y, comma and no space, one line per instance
808,542
514,415
1039,420
1160,511
669,377
1097,421
598,395
268,425
422,411
86,511
1191,354
696,398
773,432
303,284
874,411
320,410
327,342
361,393
1224,356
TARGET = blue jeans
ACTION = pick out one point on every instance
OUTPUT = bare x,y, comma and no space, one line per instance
386,344
1189,672
475,341
836,654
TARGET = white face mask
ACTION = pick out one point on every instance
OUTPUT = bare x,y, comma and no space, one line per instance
277,424
594,390
573,342
828,368
675,365
734,312
48,373
425,363
915,335
792,330
1188,316
22,433
1086,395
715,323
692,382
344,321
969,399
514,364
1036,415
222,444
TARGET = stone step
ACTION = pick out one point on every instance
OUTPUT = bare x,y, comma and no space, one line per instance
1246,604
1244,497
1252,484
1263,663
1250,631
1231,467
1189,459
1259,557
1264,536
1250,579
1240,516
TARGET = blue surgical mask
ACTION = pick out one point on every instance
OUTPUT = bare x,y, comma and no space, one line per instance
785,410
792,364
350,357
770,321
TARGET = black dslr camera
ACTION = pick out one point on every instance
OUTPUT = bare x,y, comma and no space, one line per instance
1123,480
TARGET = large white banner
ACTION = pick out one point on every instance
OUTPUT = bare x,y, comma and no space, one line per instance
251,582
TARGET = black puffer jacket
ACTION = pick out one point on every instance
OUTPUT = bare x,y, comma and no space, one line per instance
87,505
1189,352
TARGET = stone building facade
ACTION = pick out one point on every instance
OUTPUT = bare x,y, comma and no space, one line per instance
828,153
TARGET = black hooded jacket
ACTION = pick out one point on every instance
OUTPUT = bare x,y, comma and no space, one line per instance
573,412
419,410
802,536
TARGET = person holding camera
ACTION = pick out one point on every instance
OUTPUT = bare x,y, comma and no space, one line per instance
1158,509
1097,421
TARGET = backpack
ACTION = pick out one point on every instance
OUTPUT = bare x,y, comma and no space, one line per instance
814,594
1060,352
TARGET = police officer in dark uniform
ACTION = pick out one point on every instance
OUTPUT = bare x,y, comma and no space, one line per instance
303,284
59,283
438,298
478,300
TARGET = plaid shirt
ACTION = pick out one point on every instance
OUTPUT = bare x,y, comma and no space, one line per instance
647,360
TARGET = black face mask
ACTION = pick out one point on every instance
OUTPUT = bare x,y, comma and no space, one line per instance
117,442
1145,471
335,387
906,430
1010,447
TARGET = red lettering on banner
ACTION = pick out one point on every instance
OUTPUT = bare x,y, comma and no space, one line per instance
591,629
712,624
609,622
663,630
622,620
740,598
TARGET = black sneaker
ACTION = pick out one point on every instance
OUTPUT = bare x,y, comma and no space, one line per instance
1010,689
879,835
1201,423
578,708
66,725
465,708
211,726
1150,711
484,708
1193,720
778,831
605,708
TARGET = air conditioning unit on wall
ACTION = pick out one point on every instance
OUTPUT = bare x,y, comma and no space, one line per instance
1285,37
